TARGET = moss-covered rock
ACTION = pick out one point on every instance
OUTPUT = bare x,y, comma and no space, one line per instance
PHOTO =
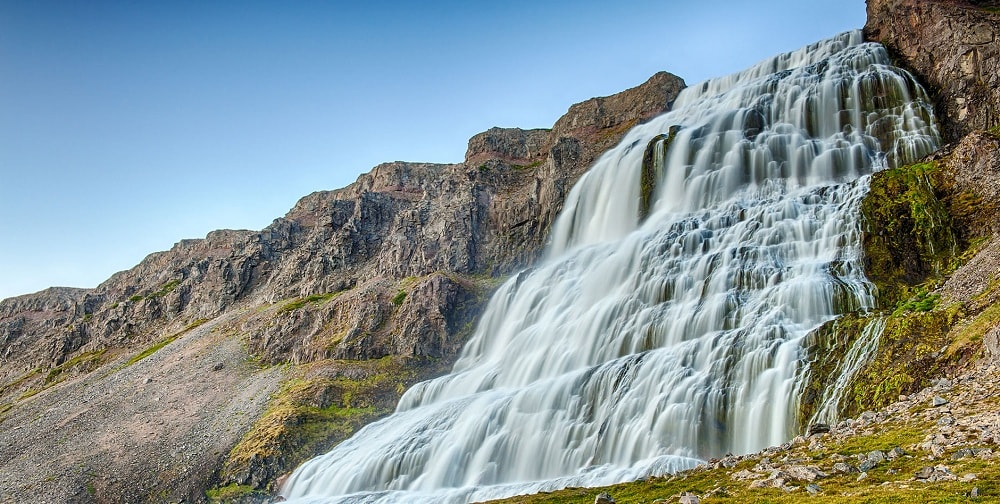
652,168
325,404
908,235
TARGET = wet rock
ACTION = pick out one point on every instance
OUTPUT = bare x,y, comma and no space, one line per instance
818,428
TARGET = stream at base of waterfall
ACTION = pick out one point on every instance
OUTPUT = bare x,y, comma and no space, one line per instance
665,324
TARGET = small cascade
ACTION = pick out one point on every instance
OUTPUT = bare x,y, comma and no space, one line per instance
667,321
858,355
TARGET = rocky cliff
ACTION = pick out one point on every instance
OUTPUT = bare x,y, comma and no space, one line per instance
334,309
953,47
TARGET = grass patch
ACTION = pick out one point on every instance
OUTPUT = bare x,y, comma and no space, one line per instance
29,393
399,298
20,380
54,375
311,414
165,289
972,334
314,299
136,298
164,342
230,492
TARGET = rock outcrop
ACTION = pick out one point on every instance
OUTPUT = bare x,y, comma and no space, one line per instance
954,47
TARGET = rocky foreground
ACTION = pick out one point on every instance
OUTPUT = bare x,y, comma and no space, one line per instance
941,444
208,371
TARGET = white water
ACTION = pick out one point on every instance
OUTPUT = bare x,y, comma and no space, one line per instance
860,353
643,349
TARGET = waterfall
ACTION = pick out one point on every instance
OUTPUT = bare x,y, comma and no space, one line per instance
650,339
860,353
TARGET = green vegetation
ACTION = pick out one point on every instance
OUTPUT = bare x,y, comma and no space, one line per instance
531,166
231,492
908,237
314,299
312,413
85,358
165,289
658,147
20,380
164,342
922,301
399,298
909,355
889,482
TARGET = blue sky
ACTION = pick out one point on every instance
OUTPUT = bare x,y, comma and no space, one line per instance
127,126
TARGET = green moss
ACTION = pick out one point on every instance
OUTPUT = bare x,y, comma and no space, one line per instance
310,414
908,235
399,298
657,148
922,301
165,289
230,492
85,358
909,355
136,298
314,299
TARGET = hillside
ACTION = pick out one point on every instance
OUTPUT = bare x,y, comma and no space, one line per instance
231,359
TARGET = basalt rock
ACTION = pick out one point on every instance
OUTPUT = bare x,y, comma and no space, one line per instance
954,46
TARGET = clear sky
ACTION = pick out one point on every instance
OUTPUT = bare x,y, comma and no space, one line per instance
126,126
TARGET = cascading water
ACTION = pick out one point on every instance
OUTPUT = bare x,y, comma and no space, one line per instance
666,324
857,356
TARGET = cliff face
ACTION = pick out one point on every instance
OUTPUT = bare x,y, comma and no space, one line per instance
953,47
394,266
